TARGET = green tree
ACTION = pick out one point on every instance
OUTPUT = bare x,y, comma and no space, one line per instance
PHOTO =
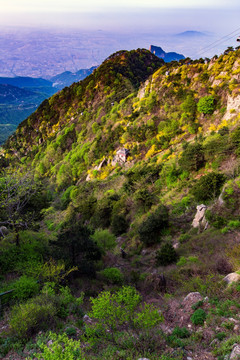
189,108
206,105
208,186
192,158
114,310
75,246
166,255
151,228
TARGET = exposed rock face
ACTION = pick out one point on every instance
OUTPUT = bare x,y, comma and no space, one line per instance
233,107
235,354
167,57
199,220
141,92
230,278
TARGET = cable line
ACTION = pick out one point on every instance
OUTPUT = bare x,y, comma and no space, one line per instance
218,42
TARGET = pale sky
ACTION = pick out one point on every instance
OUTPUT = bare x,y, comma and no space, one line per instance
93,5
140,21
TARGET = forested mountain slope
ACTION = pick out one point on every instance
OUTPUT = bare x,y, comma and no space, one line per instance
102,182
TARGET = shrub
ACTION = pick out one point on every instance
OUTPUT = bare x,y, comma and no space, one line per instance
25,287
104,240
71,331
206,105
150,229
34,315
166,255
220,336
198,317
182,333
115,309
112,275
60,347
208,186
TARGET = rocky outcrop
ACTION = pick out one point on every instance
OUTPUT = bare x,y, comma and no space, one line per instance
235,354
192,298
199,220
233,107
231,278
167,57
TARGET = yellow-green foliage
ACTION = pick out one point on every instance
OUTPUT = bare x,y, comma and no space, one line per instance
32,316
60,347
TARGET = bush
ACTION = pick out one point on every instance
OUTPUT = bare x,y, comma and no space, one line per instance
112,275
71,331
150,229
198,317
206,105
220,336
182,333
166,255
34,315
60,347
104,240
25,287
208,187
113,310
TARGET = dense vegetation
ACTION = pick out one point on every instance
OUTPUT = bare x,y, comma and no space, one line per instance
83,234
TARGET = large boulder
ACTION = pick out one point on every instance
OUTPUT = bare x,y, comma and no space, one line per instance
192,298
231,278
199,220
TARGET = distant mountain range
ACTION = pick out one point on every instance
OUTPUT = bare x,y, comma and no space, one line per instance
166,56
67,78
20,96
191,34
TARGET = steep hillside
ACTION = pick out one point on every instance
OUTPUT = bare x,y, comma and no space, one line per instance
102,182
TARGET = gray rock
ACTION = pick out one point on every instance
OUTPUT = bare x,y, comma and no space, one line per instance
199,220
87,319
192,298
235,354
3,231
231,278
49,343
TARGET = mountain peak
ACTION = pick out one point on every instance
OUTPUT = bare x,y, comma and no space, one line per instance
167,57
